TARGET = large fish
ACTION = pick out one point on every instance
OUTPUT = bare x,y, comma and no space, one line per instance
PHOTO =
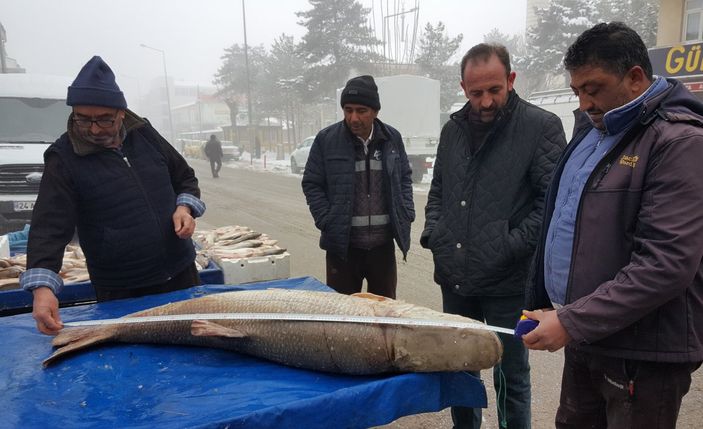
326,346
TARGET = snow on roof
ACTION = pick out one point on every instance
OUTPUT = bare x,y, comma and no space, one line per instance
28,85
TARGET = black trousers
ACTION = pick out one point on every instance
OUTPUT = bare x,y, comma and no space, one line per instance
215,166
511,377
376,265
607,392
183,280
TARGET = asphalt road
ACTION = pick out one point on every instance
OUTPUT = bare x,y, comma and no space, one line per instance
274,204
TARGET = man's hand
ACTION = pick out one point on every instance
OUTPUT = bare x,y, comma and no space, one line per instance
46,311
183,222
549,334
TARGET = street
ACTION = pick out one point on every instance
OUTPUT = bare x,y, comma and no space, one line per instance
275,204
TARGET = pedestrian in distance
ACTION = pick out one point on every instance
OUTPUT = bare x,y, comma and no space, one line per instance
483,214
213,151
130,195
618,278
358,186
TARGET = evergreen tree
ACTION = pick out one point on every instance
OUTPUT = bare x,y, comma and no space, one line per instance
558,26
231,78
286,88
338,43
640,15
434,58
514,43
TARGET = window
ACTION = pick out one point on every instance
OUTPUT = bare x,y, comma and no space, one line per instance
693,24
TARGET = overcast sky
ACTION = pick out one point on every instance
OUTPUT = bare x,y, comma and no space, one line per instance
58,37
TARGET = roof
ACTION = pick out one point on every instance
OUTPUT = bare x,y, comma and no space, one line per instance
28,85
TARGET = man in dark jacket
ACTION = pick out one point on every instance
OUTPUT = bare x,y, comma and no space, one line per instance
130,195
621,249
213,151
483,213
358,185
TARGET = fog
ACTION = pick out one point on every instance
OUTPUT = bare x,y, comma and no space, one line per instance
55,37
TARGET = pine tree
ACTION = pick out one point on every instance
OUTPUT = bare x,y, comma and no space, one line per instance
231,78
558,26
435,53
338,43
640,15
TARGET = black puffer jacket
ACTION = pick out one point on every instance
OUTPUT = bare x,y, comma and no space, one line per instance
484,211
328,184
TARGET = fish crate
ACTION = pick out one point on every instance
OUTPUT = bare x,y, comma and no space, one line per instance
256,269
4,246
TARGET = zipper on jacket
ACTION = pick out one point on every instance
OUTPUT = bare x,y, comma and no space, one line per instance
133,173
626,139
602,175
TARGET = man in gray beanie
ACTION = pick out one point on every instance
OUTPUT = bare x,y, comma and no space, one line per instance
358,186
129,194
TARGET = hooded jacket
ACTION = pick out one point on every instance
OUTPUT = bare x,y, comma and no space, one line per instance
484,209
635,287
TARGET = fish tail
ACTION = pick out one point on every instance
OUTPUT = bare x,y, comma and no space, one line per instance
72,340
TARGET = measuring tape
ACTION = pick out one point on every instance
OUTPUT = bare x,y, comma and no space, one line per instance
295,317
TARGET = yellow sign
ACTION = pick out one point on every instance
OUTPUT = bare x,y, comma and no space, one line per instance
677,61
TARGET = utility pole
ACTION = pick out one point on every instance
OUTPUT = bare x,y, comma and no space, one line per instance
168,95
200,112
253,141
3,39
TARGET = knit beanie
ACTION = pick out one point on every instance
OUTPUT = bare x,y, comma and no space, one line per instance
95,86
361,90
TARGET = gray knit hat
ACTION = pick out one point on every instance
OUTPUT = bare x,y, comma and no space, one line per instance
361,90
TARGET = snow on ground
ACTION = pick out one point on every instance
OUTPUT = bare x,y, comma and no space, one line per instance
269,164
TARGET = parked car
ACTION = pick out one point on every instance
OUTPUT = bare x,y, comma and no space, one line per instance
33,115
299,157
230,152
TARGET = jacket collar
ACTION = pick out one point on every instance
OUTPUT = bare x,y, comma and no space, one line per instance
624,116
83,148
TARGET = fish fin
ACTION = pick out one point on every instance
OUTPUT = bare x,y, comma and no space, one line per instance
72,340
371,296
204,328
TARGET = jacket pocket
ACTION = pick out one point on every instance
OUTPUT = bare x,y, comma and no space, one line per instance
491,253
131,246
438,228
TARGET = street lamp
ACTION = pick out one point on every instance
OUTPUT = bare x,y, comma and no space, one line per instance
168,96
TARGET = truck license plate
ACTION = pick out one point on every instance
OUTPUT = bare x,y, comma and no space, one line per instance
24,206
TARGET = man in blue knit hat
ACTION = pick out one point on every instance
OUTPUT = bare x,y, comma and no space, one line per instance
129,194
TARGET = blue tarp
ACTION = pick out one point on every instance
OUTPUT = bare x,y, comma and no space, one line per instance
149,386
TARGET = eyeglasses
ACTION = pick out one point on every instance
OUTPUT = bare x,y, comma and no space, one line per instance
102,123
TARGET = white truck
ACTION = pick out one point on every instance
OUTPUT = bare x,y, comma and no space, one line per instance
410,104
561,102
33,114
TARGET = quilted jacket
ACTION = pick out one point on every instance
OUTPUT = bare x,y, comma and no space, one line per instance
328,185
484,210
